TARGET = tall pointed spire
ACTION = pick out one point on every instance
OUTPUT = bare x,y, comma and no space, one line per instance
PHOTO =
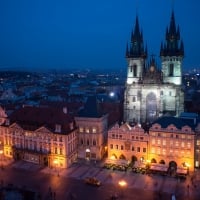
137,46
172,43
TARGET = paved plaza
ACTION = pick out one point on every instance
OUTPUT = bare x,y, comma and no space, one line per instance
188,189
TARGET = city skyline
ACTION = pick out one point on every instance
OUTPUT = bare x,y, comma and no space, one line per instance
75,34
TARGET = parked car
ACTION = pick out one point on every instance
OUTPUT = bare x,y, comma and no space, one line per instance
92,181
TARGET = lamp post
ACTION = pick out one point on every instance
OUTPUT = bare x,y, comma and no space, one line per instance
122,185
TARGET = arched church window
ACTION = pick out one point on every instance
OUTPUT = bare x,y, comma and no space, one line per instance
171,69
135,70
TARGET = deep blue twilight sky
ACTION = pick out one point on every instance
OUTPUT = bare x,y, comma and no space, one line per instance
59,34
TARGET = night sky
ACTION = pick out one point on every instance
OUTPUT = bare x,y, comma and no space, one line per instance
61,34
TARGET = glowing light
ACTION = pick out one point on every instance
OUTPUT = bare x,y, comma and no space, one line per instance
112,157
122,183
112,94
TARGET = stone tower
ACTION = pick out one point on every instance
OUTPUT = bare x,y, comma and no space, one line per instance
152,91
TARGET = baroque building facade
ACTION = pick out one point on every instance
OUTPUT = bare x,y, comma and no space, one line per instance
170,141
41,135
152,91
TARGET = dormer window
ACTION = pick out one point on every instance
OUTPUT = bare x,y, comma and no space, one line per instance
71,125
58,128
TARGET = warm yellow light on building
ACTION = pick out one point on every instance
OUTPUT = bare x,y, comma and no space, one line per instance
112,157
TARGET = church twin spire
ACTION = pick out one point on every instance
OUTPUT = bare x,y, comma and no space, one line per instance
136,48
172,46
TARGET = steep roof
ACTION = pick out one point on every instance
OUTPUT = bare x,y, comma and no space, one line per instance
32,118
177,122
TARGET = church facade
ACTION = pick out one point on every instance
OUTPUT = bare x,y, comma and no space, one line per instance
152,91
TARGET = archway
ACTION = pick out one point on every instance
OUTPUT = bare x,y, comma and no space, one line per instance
122,157
151,107
113,156
162,162
153,160
172,168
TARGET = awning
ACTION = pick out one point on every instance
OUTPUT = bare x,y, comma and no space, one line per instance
159,167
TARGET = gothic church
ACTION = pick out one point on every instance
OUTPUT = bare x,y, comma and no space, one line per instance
153,91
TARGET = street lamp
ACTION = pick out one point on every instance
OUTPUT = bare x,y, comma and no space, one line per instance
56,166
122,185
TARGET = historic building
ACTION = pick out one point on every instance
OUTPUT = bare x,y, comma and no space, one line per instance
172,142
127,143
152,91
42,135
92,131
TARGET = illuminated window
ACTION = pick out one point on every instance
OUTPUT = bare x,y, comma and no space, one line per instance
144,150
198,142
164,142
138,149
152,150
87,130
81,129
182,144
111,146
164,151
176,144
171,142
188,144
158,151
153,141
94,130
158,142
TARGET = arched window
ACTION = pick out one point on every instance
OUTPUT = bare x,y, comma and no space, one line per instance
94,142
134,70
171,69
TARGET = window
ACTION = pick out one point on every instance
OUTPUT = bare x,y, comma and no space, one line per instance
111,146
159,142
135,70
134,99
116,146
133,149
87,130
61,151
176,144
81,129
159,134
94,130
171,69
141,138
56,150
188,144
164,151
153,141
113,135
122,147
81,141
198,142
144,150
171,134
94,142
182,144
88,142
176,136
138,149
164,142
